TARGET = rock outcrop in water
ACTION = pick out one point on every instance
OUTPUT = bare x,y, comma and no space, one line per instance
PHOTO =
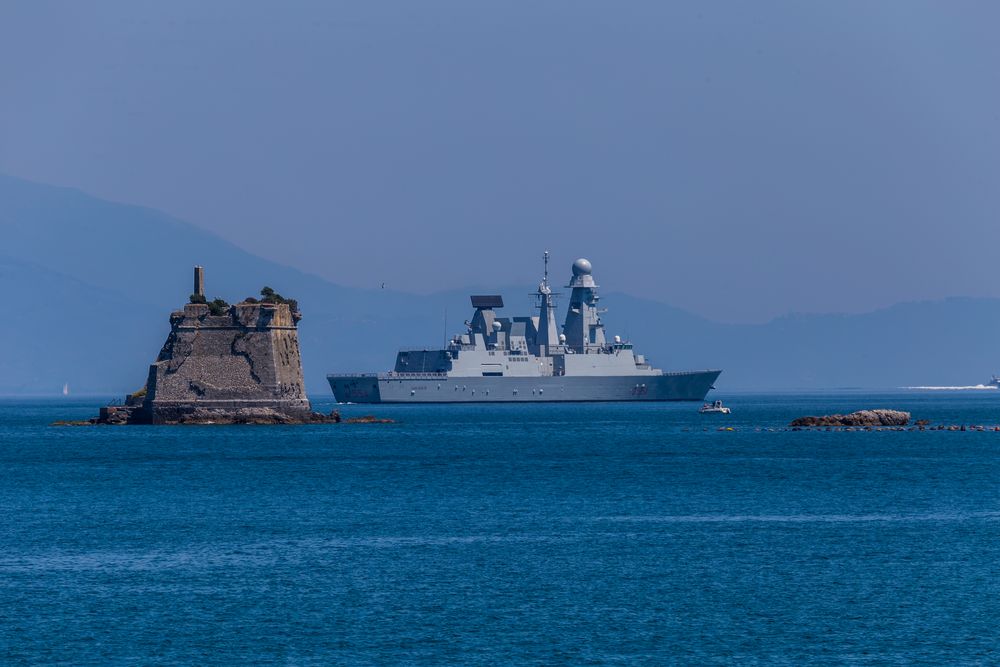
860,418
225,364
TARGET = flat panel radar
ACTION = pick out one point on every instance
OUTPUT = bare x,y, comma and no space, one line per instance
487,301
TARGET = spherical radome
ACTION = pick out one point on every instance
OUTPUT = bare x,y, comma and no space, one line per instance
581,267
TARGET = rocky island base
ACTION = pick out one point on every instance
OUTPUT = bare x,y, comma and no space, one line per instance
119,415
116,415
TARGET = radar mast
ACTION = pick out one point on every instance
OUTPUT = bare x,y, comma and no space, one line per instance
583,328
548,334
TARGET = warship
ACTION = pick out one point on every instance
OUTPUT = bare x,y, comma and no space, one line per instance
526,359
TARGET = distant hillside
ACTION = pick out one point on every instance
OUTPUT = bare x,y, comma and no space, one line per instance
90,285
951,342
121,269
58,329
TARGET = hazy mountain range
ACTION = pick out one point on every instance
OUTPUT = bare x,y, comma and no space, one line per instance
89,286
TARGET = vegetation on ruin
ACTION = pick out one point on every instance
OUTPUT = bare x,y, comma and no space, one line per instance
215,307
268,295
218,307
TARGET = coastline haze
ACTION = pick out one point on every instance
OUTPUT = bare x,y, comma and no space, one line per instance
737,161
100,278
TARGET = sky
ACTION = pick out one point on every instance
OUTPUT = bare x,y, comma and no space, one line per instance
739,160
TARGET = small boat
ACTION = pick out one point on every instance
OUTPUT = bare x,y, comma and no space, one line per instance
714,408
994,382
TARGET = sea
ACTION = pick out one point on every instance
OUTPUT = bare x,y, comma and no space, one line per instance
583,534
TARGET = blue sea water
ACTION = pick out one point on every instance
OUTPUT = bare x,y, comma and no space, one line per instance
520,534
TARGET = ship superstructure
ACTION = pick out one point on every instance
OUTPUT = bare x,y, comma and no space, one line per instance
526,359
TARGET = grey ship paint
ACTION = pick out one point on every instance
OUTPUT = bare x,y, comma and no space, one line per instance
525,359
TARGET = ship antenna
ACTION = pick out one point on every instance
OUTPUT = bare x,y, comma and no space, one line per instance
545,278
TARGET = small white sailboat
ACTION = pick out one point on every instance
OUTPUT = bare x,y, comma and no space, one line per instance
714,408
66,389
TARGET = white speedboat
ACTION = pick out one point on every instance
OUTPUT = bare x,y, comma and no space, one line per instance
714,408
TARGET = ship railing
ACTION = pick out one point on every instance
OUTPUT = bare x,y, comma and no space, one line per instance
697,370
393,375
415,375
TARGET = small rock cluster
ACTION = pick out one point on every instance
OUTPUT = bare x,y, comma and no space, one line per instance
854,429
860,418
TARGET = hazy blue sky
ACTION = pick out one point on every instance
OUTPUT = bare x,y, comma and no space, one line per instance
739,159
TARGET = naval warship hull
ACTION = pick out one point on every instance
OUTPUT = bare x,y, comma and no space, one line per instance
439,388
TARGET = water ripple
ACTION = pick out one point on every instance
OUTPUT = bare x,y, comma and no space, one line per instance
804,518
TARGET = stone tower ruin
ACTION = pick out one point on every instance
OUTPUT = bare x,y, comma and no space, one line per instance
241,364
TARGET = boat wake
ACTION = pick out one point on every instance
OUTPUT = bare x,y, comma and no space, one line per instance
974,387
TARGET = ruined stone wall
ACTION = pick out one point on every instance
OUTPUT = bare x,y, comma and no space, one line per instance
246,359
